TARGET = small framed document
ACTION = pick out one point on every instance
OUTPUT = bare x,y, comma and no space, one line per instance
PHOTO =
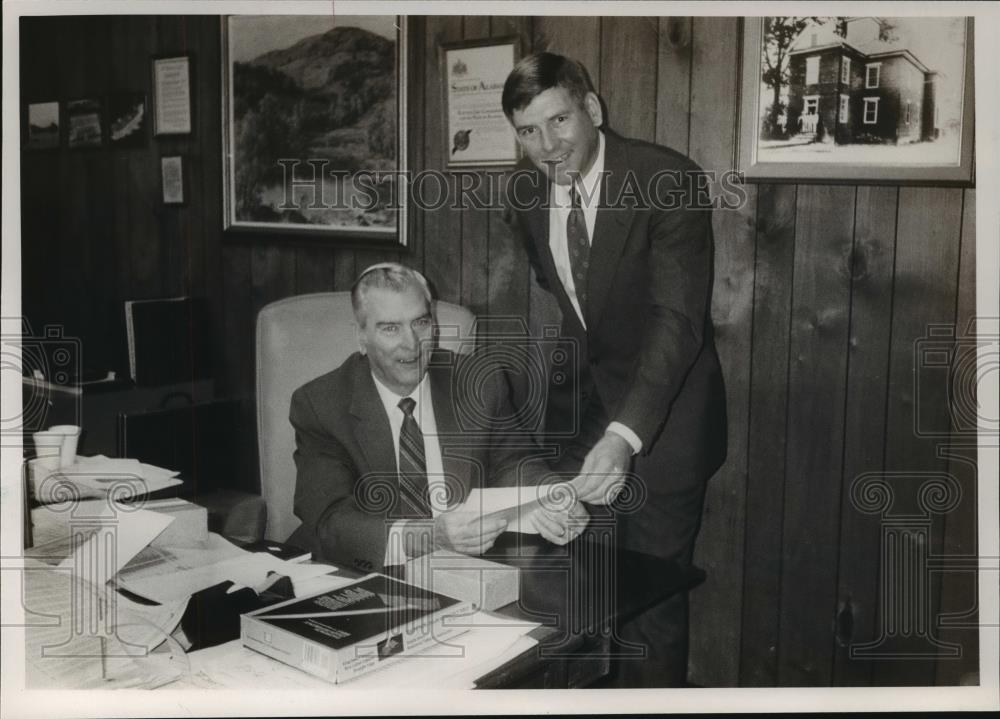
172,95
172,179
476,132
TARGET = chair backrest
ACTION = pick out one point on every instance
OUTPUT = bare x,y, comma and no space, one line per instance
300,338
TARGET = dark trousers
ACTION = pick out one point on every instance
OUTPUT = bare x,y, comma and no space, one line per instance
653,649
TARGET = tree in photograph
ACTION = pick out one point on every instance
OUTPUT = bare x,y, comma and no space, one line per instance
264,135
779,34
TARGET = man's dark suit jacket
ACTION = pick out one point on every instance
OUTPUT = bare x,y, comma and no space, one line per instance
647,350
346,463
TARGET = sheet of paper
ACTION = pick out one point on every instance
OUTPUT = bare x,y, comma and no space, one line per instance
166,575
490,641
322,583
233,666
80,636
129,533
515,504
145,625
153,561
51,522
99,540
55,655
99,474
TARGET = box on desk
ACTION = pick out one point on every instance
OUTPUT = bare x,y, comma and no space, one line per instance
190,525
342,633
486,584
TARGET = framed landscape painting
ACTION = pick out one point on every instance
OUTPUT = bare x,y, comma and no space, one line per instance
313,114
857,99
43,126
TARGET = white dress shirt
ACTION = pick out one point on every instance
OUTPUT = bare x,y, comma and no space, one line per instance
589,189
423,413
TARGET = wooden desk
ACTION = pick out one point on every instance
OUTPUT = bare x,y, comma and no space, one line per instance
581,593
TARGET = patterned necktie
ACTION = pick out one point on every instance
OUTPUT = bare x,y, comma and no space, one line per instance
578,243
413,490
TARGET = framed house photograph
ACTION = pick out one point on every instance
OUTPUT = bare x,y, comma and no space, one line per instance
313,126
84,126
42,126
477,133
857,99
127,119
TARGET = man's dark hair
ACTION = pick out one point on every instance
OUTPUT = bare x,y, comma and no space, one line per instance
537,73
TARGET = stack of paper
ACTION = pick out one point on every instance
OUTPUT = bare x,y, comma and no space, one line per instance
97,476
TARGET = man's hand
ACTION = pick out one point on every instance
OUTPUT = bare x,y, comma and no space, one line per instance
560,526
603,473
466,532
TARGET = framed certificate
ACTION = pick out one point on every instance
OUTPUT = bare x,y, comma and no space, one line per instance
476,132
172,95
172,180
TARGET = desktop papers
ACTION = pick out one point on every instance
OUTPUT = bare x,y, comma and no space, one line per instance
81,636
80,631
98,475
95,539
166,575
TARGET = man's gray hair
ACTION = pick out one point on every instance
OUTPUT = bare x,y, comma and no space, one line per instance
386,276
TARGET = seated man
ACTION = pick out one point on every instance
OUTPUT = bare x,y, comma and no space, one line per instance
382,457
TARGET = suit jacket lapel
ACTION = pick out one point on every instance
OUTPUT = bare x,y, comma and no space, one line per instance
372,430
448,429
610,228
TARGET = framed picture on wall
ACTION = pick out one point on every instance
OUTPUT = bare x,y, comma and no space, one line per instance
127,119
314,139
857,99
477,133
172,180
42,126
84,123
172,95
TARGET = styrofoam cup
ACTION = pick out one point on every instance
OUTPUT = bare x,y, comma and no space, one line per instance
47,443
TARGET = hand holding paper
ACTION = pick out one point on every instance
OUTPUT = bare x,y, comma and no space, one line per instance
560,526
467,531
603,473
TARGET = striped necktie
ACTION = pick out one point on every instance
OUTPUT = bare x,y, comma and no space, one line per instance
578,244
413,490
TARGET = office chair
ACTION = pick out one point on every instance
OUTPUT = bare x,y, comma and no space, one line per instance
298,339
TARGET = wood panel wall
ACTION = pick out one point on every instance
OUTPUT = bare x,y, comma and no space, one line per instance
822,297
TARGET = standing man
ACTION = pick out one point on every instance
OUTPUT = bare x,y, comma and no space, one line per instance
620,232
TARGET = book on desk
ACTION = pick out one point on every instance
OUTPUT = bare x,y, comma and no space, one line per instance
343,633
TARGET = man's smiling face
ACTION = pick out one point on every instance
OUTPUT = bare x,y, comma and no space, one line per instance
397,337
559,134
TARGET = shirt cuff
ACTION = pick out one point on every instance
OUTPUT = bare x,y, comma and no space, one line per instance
394,548
628,435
